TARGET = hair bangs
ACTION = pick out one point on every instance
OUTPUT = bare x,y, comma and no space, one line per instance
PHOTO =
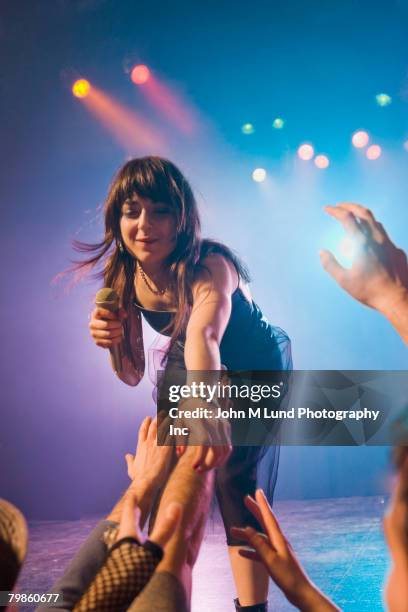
147,177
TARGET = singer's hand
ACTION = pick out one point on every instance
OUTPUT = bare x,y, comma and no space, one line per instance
106,328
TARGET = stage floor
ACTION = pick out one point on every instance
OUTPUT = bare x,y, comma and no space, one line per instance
339,542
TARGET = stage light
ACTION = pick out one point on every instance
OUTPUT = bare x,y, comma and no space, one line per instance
81,88
383,99
322,161
360,139
278,123
140,74
259,175
247,128
406,145
305,152
373,152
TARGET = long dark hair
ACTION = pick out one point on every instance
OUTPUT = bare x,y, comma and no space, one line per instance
161,181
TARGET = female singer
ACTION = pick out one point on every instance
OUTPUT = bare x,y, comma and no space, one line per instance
195,291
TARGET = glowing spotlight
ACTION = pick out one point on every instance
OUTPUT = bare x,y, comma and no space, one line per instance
81,88
278,123
406,145
259,175
383,99
247,128
140,74
322,161
305,152
373,152
360,139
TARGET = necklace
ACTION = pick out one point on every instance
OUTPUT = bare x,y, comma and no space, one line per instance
147,282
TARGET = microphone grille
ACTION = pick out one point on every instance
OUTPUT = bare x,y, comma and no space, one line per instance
107,295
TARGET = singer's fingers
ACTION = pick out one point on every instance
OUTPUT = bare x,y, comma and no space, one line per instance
103,324
103,313
199,456
108,343
107,334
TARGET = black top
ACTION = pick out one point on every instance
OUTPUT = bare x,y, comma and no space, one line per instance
250,342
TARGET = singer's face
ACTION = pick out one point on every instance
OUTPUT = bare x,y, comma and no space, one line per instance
148,229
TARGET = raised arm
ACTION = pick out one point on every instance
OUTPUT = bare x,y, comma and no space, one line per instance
209,317
211,311
379,274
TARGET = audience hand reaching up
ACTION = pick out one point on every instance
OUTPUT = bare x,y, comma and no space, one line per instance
276,554
379,273
148,470
151,462
163,529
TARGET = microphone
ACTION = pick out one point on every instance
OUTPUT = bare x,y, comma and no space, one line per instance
109,299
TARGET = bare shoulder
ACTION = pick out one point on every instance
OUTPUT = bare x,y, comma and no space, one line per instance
216,272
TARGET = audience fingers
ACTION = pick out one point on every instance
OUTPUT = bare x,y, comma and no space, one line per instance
375,229
144,429
252,537
163,428
166,524
253,506
358,211
258,541
272,527
348,221
239,533
332,266
249,554
152,431
129,462
382,231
